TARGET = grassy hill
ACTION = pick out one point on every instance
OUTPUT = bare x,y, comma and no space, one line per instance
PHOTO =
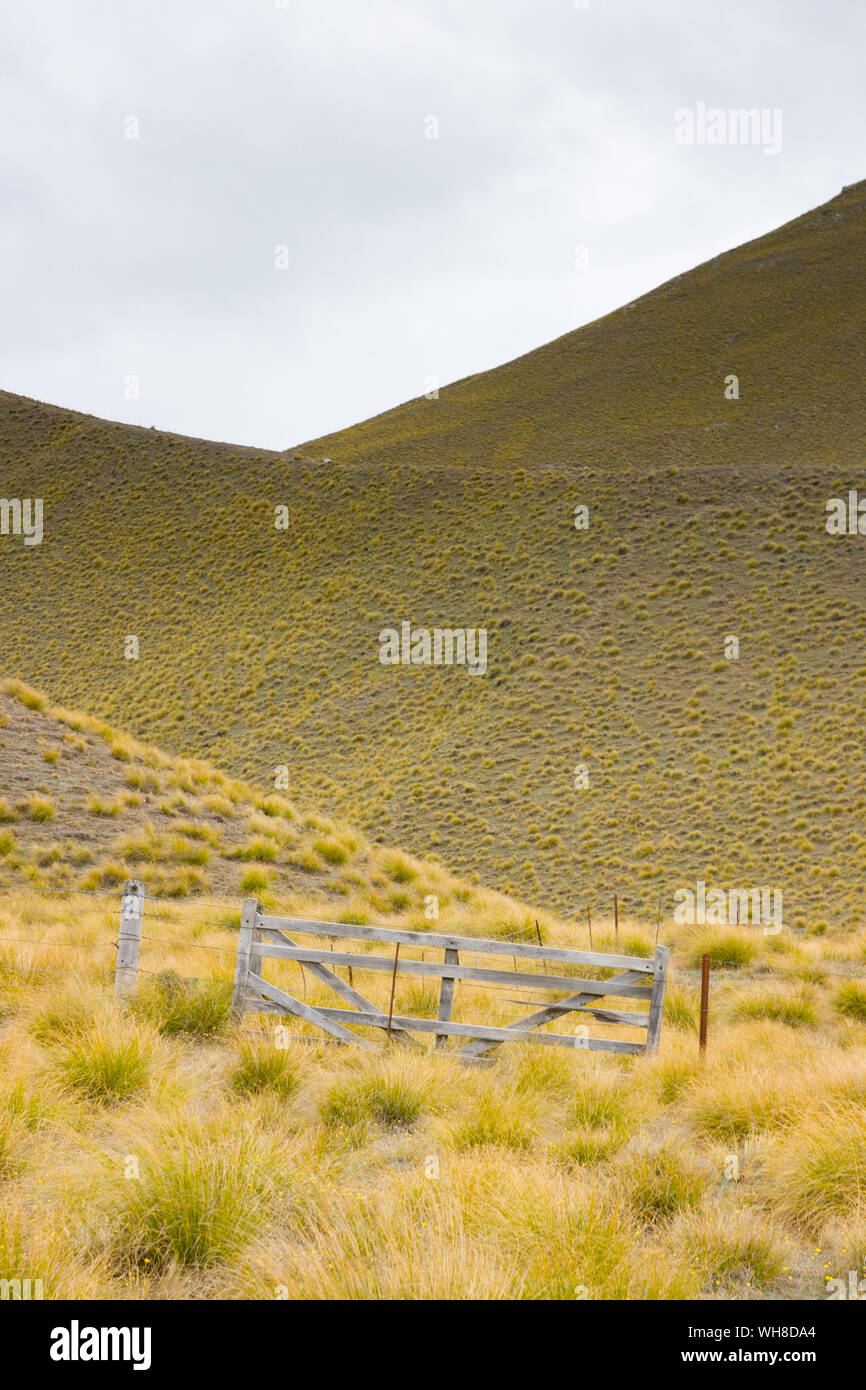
86,807
151,1149
258,647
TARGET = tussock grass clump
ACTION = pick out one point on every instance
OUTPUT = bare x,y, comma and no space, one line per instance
175,883
498,1118
203,1191
356,917
332,850
730,1246
276,806
399,868
544,1070
390,1095
680,1009
673,1075
726,947
636,943
419,1000
255,881
66,1015
184,852
493,1226
796,1009
196,830
589,1144
850,1001
405,1239
104,1065
841,1078
25,694
39,808
583,1246
263,1066
261,849
147,846
817,1173
142,779
658,1184
600,1098
735,1103
176,1005
306,859
108,874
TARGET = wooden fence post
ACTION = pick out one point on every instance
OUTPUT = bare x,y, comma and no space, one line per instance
246,940
129,938
616,919
657,998
705,1006
446,995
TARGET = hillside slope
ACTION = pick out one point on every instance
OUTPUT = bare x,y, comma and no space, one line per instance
642,387
259,647
86,807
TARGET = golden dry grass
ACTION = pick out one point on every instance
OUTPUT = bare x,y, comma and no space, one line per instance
139,1160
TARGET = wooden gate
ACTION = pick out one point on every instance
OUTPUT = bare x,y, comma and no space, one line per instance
263,936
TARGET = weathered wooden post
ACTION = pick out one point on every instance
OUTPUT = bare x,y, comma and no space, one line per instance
657,998
705,1006
246,955
129,938
446,994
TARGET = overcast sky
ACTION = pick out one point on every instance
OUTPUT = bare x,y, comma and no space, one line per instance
305,124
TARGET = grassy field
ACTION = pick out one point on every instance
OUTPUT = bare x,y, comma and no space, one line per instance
155,1150
258,647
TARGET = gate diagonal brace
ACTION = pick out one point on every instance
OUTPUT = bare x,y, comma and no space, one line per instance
550,1012
352,996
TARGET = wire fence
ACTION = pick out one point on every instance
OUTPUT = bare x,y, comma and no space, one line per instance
173,910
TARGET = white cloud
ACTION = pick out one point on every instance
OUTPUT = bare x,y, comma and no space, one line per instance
407,256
